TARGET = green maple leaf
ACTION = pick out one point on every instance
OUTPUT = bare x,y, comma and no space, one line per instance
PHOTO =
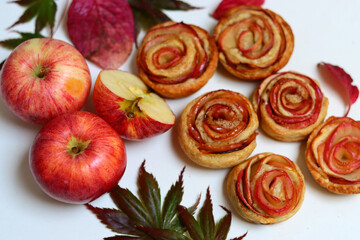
14,42
42,10
144,217
205,228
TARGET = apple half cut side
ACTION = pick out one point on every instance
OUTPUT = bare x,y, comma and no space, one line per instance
125,102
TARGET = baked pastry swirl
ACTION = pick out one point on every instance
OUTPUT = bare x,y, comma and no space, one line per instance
218,129
266,189
253,42
333,155
176,59
290,105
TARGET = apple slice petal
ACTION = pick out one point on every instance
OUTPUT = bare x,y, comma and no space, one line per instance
270,188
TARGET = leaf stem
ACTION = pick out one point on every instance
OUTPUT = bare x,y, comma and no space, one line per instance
61,19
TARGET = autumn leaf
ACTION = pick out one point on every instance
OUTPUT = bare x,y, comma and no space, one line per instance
345,80
43,11
103,31
227,4
148,13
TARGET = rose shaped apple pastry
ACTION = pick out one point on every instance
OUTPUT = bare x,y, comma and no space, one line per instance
125,102
333,155
176,59
290,105
266,189
253,42
218,129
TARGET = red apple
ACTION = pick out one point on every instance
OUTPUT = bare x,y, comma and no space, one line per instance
77,157
43,78
124,101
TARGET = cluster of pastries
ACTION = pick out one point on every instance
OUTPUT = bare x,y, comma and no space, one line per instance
218,129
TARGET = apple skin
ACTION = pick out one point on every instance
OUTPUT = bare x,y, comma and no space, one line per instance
77,175
138,127
44,78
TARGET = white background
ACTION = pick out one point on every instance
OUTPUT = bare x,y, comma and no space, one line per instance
325,30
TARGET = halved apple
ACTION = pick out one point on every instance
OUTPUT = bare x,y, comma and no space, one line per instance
125,102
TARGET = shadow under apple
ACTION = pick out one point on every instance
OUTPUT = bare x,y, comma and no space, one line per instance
29,184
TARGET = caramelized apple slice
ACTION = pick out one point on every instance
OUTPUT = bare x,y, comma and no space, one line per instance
269,188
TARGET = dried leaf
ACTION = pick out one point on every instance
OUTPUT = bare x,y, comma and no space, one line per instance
345,79
103,31
227,4
43,10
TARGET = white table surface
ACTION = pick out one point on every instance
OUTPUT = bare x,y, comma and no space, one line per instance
325,30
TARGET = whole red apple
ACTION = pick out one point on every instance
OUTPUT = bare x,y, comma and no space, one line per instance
125,102
43,78
77,157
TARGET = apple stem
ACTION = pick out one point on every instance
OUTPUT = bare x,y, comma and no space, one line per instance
130,113
42,72
75,150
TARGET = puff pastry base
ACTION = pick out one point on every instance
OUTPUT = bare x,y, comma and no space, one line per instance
266,189
218,129
253,42
333,155
290,105
176,59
